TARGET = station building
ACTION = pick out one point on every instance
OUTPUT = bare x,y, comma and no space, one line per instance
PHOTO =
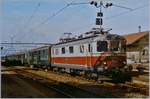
138,47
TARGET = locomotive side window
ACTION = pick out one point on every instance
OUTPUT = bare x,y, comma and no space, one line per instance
63,50
81,48
89,48
56,51
71,49
102,46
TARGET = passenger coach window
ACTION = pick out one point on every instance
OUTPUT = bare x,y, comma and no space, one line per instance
63,50
102,46
71,49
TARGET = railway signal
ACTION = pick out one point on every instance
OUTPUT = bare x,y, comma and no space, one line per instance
99,19
100,5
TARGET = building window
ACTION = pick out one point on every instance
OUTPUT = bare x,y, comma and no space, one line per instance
71,49
144,52
81,48
63,50
102,46
89,48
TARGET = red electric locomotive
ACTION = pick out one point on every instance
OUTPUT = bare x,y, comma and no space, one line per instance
92,53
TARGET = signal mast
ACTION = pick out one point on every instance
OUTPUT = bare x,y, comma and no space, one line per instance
99,19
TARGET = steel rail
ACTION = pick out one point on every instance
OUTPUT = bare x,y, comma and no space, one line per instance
38,78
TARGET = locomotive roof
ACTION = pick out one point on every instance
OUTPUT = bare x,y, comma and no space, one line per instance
76,40
109,36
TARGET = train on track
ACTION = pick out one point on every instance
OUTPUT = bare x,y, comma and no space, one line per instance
93,52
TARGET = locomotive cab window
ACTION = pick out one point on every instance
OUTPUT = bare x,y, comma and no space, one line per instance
115,45
71,49
102,46
63,50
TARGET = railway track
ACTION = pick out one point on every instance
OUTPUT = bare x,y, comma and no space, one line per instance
129,86
132,87
64,89
73,91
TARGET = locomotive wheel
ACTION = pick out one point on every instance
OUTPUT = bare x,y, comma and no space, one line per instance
45,70
121,77
72,72
62,70
141,71
48,67
88,75
99,80
129,68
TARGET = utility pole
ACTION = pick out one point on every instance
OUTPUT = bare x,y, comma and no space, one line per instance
139,28
11,40
12,46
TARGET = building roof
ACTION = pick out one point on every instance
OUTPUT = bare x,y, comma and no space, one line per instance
133,37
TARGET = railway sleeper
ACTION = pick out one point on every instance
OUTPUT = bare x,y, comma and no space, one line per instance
121,77
63,89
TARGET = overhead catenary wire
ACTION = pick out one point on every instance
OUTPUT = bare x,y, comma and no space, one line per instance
117,15
114,16
126,12
120,14
130,9
27,23
33,14
120,6
52,16
79,3
69,4
48,18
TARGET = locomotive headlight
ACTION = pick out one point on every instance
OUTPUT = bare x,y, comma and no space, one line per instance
105,67
124,62
126,67
104,63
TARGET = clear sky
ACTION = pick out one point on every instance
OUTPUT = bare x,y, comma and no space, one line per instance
21,18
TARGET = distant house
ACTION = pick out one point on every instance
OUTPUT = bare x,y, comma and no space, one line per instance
138,46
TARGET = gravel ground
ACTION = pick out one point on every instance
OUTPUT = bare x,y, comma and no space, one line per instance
13,86
107,90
